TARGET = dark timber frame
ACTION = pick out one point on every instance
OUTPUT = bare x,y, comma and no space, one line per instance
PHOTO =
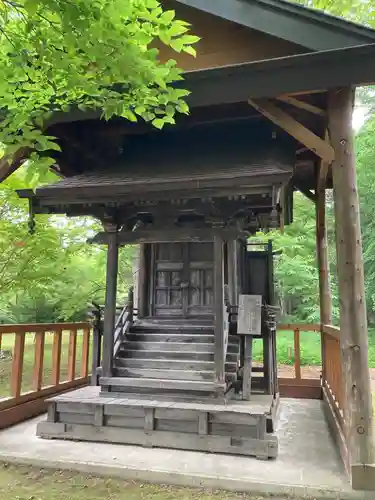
261,129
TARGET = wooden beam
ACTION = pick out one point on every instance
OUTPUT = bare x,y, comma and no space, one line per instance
294,128
306,192
10,163
110,304
302,105
353,320
169,235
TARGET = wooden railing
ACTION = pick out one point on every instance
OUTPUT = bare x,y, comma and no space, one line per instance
39,361
332,370
300,385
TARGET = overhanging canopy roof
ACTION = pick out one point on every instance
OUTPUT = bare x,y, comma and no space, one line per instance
310,28
347,59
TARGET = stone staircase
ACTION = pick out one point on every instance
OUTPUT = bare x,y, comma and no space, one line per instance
171,359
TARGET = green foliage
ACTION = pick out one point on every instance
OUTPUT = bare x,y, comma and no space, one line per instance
86,54
362,11
53,274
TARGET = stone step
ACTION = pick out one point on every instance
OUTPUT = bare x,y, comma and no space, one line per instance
173,355
154,373
170,374
193,347
167,346
176,325
172,364
171,337
161,385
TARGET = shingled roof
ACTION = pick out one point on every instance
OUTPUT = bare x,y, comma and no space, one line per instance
163,174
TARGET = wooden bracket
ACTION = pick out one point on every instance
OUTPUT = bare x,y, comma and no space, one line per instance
316,144
323,168
306,192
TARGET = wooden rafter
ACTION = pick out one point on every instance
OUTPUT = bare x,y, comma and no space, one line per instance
302,105
316,144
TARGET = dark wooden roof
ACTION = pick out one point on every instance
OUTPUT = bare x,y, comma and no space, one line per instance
310,28
266,168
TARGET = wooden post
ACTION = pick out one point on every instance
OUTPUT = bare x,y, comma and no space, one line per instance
38,361
110,304
325,298
85,352
232,272
247,367
322,254
353,320
96,346
219,309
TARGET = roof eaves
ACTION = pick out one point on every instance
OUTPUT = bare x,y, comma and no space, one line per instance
295,23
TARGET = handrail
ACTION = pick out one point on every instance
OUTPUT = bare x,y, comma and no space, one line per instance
122,327
124,321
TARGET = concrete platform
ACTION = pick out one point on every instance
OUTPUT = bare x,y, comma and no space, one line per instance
308,465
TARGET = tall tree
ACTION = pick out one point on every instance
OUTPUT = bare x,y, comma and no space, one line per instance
97,54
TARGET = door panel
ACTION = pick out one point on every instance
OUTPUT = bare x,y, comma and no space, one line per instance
200,277
168,276
183,279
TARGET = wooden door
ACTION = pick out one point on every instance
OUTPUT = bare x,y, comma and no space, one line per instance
200,276
182,279
168,274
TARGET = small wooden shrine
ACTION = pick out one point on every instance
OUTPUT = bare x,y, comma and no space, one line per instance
270,113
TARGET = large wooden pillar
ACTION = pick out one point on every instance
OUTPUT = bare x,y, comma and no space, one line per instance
353,320
219,356
110,304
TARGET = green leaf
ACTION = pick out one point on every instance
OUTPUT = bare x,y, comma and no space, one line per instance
190,50
31,6
167,16
158,123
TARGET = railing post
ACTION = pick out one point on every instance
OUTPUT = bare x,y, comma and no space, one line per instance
297,354
38,361
131,304
56,356
96,345
17,365
72,354
85,352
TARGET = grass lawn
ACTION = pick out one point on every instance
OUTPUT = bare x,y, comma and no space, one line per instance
310,348
25,483
28,364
